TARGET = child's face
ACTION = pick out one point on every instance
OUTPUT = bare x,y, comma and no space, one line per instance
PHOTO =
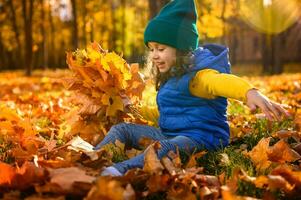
163,56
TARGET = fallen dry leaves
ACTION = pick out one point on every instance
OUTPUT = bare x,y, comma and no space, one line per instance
21,177
38,117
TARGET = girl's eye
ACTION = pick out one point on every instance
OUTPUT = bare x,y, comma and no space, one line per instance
161,49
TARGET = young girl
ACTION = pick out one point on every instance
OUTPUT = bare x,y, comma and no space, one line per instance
193,85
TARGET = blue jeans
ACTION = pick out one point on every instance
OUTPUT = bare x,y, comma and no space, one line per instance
130,134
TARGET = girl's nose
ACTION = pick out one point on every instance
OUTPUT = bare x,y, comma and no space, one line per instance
155,55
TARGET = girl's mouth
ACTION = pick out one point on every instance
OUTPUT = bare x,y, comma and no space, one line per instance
160,65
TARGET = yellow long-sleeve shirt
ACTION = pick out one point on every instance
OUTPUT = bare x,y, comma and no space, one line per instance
208,83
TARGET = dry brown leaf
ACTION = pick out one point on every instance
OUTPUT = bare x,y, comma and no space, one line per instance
120,145
281,153
107,189
297,120
39,197
56,163
12,195
273,182
207,180
209,193
89,105
168,164
293,177
129,193
152,163
222,178
180,191
145,142
7,173
29,174
49,188
283,134
130,153
267,195
157,183
65,177
259,154
297,148
49,145
175,157
21,155
232,183
21,178
193,159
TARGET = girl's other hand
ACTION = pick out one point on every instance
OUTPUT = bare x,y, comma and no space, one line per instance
272,110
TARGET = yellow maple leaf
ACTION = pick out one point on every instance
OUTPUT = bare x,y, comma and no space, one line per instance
93,54
119,63
8,114
114,103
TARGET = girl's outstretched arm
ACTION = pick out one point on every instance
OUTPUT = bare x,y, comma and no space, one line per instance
209,83
272,110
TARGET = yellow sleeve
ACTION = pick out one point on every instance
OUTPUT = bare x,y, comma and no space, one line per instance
209,83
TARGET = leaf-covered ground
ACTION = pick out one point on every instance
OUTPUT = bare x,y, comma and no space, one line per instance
39,118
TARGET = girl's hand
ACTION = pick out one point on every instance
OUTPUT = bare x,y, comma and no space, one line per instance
271,109
127,103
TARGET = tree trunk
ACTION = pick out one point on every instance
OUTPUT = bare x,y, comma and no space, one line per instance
52,55
224,22
155,6
271,54
298,51
84,23
75,29
92,30
112,43
277,67
44,41
27,15
123,36
2,54
16,31
234,45
266,54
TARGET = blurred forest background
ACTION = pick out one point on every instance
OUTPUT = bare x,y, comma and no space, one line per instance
35,34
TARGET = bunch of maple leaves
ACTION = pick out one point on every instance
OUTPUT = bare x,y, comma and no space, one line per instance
104,85
38,117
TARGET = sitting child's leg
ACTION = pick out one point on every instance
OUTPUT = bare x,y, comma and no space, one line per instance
182,142
130,134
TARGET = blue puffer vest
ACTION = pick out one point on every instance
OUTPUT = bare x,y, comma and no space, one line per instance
201,119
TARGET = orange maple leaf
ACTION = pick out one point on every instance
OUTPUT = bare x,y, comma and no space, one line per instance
7,172
292,176
152,163
259,154
21,178
281,153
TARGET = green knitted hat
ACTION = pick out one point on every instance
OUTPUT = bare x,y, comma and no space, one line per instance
175,26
